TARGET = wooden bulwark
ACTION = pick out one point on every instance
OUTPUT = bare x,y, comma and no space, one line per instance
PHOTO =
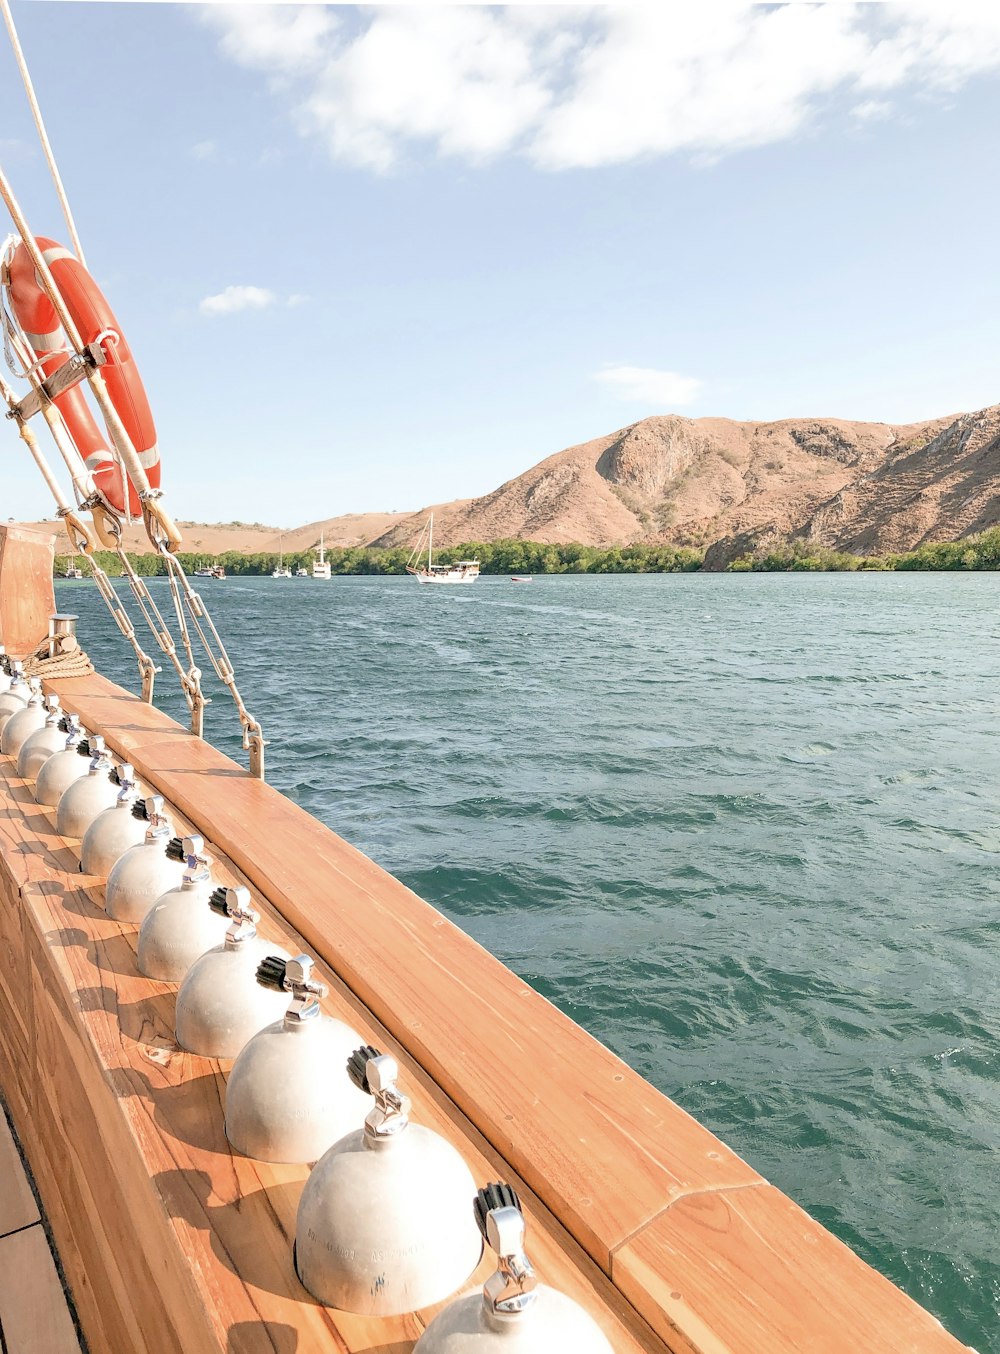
663,1224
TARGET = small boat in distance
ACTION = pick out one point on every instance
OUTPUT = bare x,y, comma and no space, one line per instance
321,566
72,569
301,573
462,571
210,571
520,578
282,571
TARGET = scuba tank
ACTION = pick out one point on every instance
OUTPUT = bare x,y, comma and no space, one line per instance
284,1099
60,770
180,926
145,871
384,1224
514,1313
15,697
39,746
20,725
220,1005
85,798
114,830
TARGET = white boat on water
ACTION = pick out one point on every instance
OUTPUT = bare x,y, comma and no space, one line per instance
461,571
282,570
72,570
520,578
321,566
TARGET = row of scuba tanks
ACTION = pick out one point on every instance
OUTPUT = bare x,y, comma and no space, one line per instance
390,1219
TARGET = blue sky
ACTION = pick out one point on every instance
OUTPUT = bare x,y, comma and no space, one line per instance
374,258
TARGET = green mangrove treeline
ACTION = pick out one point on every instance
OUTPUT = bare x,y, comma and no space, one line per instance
529,557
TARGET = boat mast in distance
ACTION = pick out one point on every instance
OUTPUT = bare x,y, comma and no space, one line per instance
462,571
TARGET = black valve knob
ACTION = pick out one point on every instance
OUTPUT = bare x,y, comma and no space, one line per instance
217,901
357,1066
139,810
271,972
490,1197
174,849
83,747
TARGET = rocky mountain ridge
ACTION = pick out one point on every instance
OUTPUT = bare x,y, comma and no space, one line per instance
714,483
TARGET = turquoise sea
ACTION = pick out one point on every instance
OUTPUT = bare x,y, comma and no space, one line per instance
744,828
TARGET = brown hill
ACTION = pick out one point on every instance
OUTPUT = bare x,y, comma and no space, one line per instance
865,487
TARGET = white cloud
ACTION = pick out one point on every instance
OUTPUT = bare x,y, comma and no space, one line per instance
297,299
646,385
578,86
233,299
205,150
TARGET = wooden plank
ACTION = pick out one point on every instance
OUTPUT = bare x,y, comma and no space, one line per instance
602,1148
33,1311
171,1241
27,597
17,1203
748,1272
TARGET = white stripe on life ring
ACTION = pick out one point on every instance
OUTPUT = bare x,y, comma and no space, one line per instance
56,253
96,459
46,343
147,459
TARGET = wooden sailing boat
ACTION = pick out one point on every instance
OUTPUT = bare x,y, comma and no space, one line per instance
172,1241
462,571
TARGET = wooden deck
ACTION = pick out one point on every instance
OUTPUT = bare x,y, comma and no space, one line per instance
35,1316
171,1241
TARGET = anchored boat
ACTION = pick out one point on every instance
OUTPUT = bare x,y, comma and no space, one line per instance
462,571
481,1112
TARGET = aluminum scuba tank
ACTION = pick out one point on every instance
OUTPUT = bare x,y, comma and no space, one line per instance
143,872
114,830
284,1101
39,746
85,798
514,1313
220,1005
4,670
16,696
59,772
23,723
180,926
384,1224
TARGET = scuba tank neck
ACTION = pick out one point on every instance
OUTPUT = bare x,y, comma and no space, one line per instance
124,776
100,757
510,1292
192,851
377,1073
150,810
235,904
294,976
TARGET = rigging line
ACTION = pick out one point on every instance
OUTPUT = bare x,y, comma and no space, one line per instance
80,540
22,66
253,738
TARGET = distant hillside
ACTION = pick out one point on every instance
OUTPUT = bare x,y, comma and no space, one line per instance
708,482
865,487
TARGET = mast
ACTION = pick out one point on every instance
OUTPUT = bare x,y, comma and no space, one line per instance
430,543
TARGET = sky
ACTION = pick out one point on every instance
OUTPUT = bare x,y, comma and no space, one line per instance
373,258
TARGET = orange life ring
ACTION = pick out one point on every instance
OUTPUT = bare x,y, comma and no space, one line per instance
96,322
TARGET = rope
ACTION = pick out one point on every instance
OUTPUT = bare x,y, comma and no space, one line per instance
68,663
40,126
